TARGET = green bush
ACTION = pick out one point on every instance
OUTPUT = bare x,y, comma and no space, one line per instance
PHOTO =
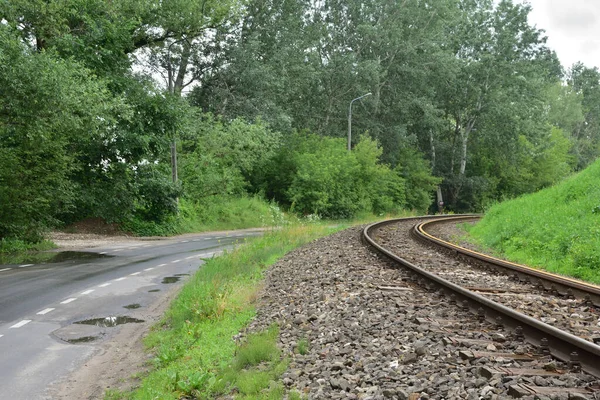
329,181
218,158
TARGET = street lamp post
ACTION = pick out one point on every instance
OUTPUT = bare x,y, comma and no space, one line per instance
350,119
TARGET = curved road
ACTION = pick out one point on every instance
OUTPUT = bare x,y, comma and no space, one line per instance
40,302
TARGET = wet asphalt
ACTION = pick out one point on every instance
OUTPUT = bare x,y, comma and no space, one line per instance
43,304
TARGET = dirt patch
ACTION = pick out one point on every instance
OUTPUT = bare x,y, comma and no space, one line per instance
117,363
95,226
91,232
66,240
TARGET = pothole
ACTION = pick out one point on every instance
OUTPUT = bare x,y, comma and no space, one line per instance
132,306
84,339
171,279
109,322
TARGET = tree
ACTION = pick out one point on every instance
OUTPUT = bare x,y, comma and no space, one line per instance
501,67
46,105
585,82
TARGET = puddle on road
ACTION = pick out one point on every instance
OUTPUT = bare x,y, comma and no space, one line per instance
109,322
85,339
51,257
171,279
153,290
132,306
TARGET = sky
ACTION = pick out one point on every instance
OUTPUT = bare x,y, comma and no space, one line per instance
572,27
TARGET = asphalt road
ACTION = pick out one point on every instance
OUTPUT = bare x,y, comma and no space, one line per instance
40,302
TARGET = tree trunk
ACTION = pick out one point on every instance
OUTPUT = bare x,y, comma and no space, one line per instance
432,145
182,68
464,142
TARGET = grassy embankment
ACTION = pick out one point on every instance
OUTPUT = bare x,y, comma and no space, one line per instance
195,353
557,229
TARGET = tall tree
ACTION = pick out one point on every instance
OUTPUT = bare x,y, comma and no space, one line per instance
501,65
585,82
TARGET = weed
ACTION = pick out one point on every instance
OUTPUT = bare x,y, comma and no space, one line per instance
294,395
258,348
302,346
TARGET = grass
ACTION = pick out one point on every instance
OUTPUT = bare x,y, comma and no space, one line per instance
557,229
302,346
216,213
226,212
196,349
16,251
12,246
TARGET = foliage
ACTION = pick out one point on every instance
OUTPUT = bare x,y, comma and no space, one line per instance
464,90
420,184
12,246
209,214
329,181
555,228
46,104
218,158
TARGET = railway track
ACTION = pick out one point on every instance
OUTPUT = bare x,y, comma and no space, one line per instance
557,315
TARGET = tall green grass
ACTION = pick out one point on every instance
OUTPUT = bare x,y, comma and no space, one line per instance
18,246
195,346
215,213
557,229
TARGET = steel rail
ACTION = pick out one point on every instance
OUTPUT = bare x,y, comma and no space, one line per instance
564,285
561,345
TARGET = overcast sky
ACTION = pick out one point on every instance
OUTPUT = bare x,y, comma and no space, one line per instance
572,27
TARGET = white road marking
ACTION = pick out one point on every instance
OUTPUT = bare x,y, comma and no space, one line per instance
25,265
1,335
196,240
67,301
184,241
20,324
120,279
87,291
149,269
118,250
218,237
102,252
175,261
147,245
5,269
46,311
135,273
160,265
131,248
190,257
104,284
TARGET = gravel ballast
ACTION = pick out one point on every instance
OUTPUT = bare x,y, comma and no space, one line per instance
373,333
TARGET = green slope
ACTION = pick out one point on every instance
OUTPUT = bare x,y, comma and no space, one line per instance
557,229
